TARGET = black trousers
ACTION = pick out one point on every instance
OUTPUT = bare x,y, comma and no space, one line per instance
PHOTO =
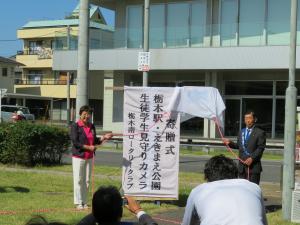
253,177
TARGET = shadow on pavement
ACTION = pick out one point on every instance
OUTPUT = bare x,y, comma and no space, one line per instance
273,208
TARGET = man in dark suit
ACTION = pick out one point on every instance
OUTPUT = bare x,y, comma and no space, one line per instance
251,142
107,209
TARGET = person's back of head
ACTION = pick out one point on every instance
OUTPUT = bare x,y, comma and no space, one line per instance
107,205
220,168
39,220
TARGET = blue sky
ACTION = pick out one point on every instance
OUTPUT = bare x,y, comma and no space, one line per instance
16,13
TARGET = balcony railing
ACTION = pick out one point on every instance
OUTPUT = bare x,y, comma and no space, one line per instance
43,82
42,53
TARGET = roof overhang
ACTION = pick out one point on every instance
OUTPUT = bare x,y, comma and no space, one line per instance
110,4
27,96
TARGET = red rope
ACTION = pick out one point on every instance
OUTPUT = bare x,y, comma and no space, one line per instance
93,168
93,175
20,212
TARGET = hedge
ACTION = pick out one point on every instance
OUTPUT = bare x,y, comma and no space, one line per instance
29,144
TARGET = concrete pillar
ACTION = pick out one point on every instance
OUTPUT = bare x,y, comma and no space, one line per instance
211,80
108,99
214,83
206,128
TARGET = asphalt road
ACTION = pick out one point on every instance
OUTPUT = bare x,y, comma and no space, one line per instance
271,169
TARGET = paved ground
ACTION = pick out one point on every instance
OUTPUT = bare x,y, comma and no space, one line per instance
271,169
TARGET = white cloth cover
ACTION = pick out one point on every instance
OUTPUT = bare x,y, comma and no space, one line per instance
205,102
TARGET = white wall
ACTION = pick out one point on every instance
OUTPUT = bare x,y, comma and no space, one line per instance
266,57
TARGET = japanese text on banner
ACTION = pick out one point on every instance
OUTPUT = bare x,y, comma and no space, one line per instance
151,146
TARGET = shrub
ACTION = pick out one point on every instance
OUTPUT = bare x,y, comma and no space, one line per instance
30,144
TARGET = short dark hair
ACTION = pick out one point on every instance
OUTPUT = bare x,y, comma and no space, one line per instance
85,108
39,220
219,168
107,205
251,112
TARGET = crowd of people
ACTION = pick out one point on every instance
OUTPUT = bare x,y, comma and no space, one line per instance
231,195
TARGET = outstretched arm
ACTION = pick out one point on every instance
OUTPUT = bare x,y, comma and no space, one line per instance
134,207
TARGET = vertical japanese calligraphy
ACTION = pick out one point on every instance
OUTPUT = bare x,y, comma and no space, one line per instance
151,143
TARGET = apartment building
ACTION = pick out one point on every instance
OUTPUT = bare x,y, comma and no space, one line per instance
238,46
40,39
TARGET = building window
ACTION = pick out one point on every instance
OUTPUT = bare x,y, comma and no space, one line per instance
134,26
157,26
12,71
178,25
52,44
248,88
95,43
258,96
35,47
35,77
4,72
170,25
60,43
228,26
278,26
252,22
198,22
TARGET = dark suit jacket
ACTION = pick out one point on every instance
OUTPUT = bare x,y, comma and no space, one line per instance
256,145
143,220
79,139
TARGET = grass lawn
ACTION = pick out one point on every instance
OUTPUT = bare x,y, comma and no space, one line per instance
49,189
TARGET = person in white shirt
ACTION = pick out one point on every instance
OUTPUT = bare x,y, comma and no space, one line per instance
224,200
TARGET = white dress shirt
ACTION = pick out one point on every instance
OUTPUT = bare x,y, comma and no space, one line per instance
226,202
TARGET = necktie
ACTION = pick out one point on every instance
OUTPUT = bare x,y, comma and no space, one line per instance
247,134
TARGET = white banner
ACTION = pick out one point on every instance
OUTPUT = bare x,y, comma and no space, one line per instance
151,144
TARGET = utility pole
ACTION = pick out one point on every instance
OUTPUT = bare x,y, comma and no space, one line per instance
146,38
290,122
83,56
68,80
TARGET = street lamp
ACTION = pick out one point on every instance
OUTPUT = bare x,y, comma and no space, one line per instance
290,122
146,37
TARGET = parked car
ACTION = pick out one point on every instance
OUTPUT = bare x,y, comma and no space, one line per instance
7,112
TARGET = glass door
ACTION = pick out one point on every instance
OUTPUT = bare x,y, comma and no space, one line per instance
232,117
263,109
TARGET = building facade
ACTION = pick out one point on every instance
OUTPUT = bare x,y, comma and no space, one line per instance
38,78
238,46
8,68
